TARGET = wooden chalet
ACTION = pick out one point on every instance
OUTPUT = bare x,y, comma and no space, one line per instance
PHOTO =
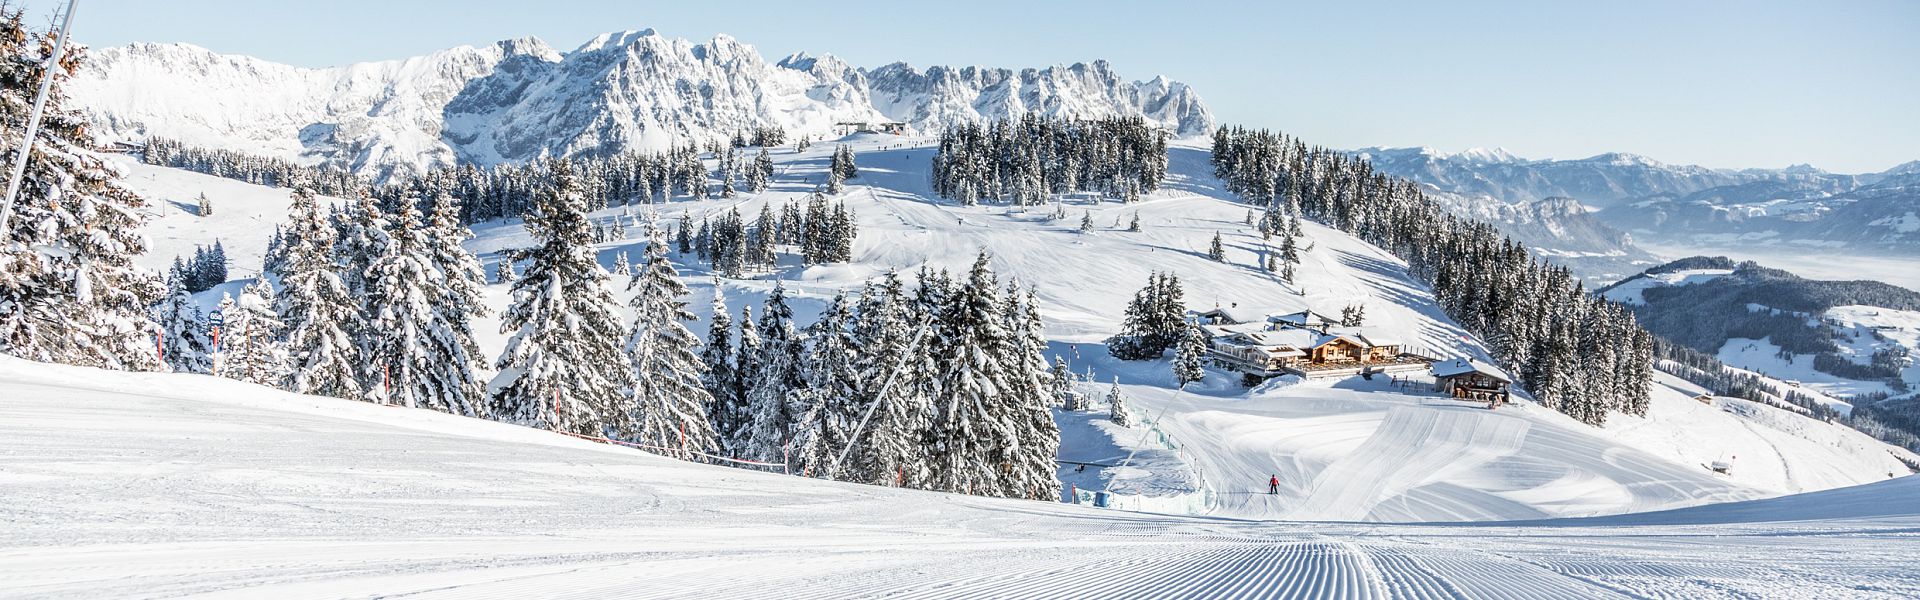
1470,379
1267,350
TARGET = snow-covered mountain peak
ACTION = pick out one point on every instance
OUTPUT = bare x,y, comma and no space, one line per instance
1623,159
616,39
519,99
1493,155
1905,168
1430,154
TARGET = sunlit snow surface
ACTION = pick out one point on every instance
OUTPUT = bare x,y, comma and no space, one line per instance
115,485
1351,450
120,485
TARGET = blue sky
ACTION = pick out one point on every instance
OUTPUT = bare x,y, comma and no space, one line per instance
1717,83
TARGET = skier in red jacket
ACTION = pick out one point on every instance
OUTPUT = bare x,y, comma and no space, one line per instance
1273,485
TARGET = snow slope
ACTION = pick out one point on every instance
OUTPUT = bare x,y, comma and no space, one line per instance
519,99
158,485
243,219
1628,292
1353,451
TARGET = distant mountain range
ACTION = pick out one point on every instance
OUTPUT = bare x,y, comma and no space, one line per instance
520,99
1796,207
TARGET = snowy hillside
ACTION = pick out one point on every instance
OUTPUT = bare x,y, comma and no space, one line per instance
1827,339
1350,451
520,99
154,485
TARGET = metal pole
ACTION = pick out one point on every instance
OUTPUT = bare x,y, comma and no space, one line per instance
882,396
33,118
1143,434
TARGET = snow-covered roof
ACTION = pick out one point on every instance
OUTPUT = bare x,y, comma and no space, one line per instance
1240,314
1329,338
1225,330
1462,366
1292,338
1302,317
1368,336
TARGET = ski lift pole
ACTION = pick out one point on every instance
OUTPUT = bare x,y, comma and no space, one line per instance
1150,429
33,118
881,397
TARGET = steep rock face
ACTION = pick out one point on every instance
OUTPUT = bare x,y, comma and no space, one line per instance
370,117
639,90
520,99
941,96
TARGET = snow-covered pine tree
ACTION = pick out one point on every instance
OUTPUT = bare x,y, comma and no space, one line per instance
725,413
1153,322
361,239
760,242
1134,225
1117,406
893,450
185,347
274,260
69,291
969,433
250,346
1060,383
830,405
984,420
773,399
1215,250
1187,355
746,373
398,365
814,230
843,228
667,393
1026,401
1289,251
215,264
1353,315
1086,221
458,302
622,268
503,272
315,306
836,183
728,165
843,163
563,367
761,173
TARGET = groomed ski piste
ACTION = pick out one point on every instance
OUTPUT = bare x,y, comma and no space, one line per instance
224,486
159,485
